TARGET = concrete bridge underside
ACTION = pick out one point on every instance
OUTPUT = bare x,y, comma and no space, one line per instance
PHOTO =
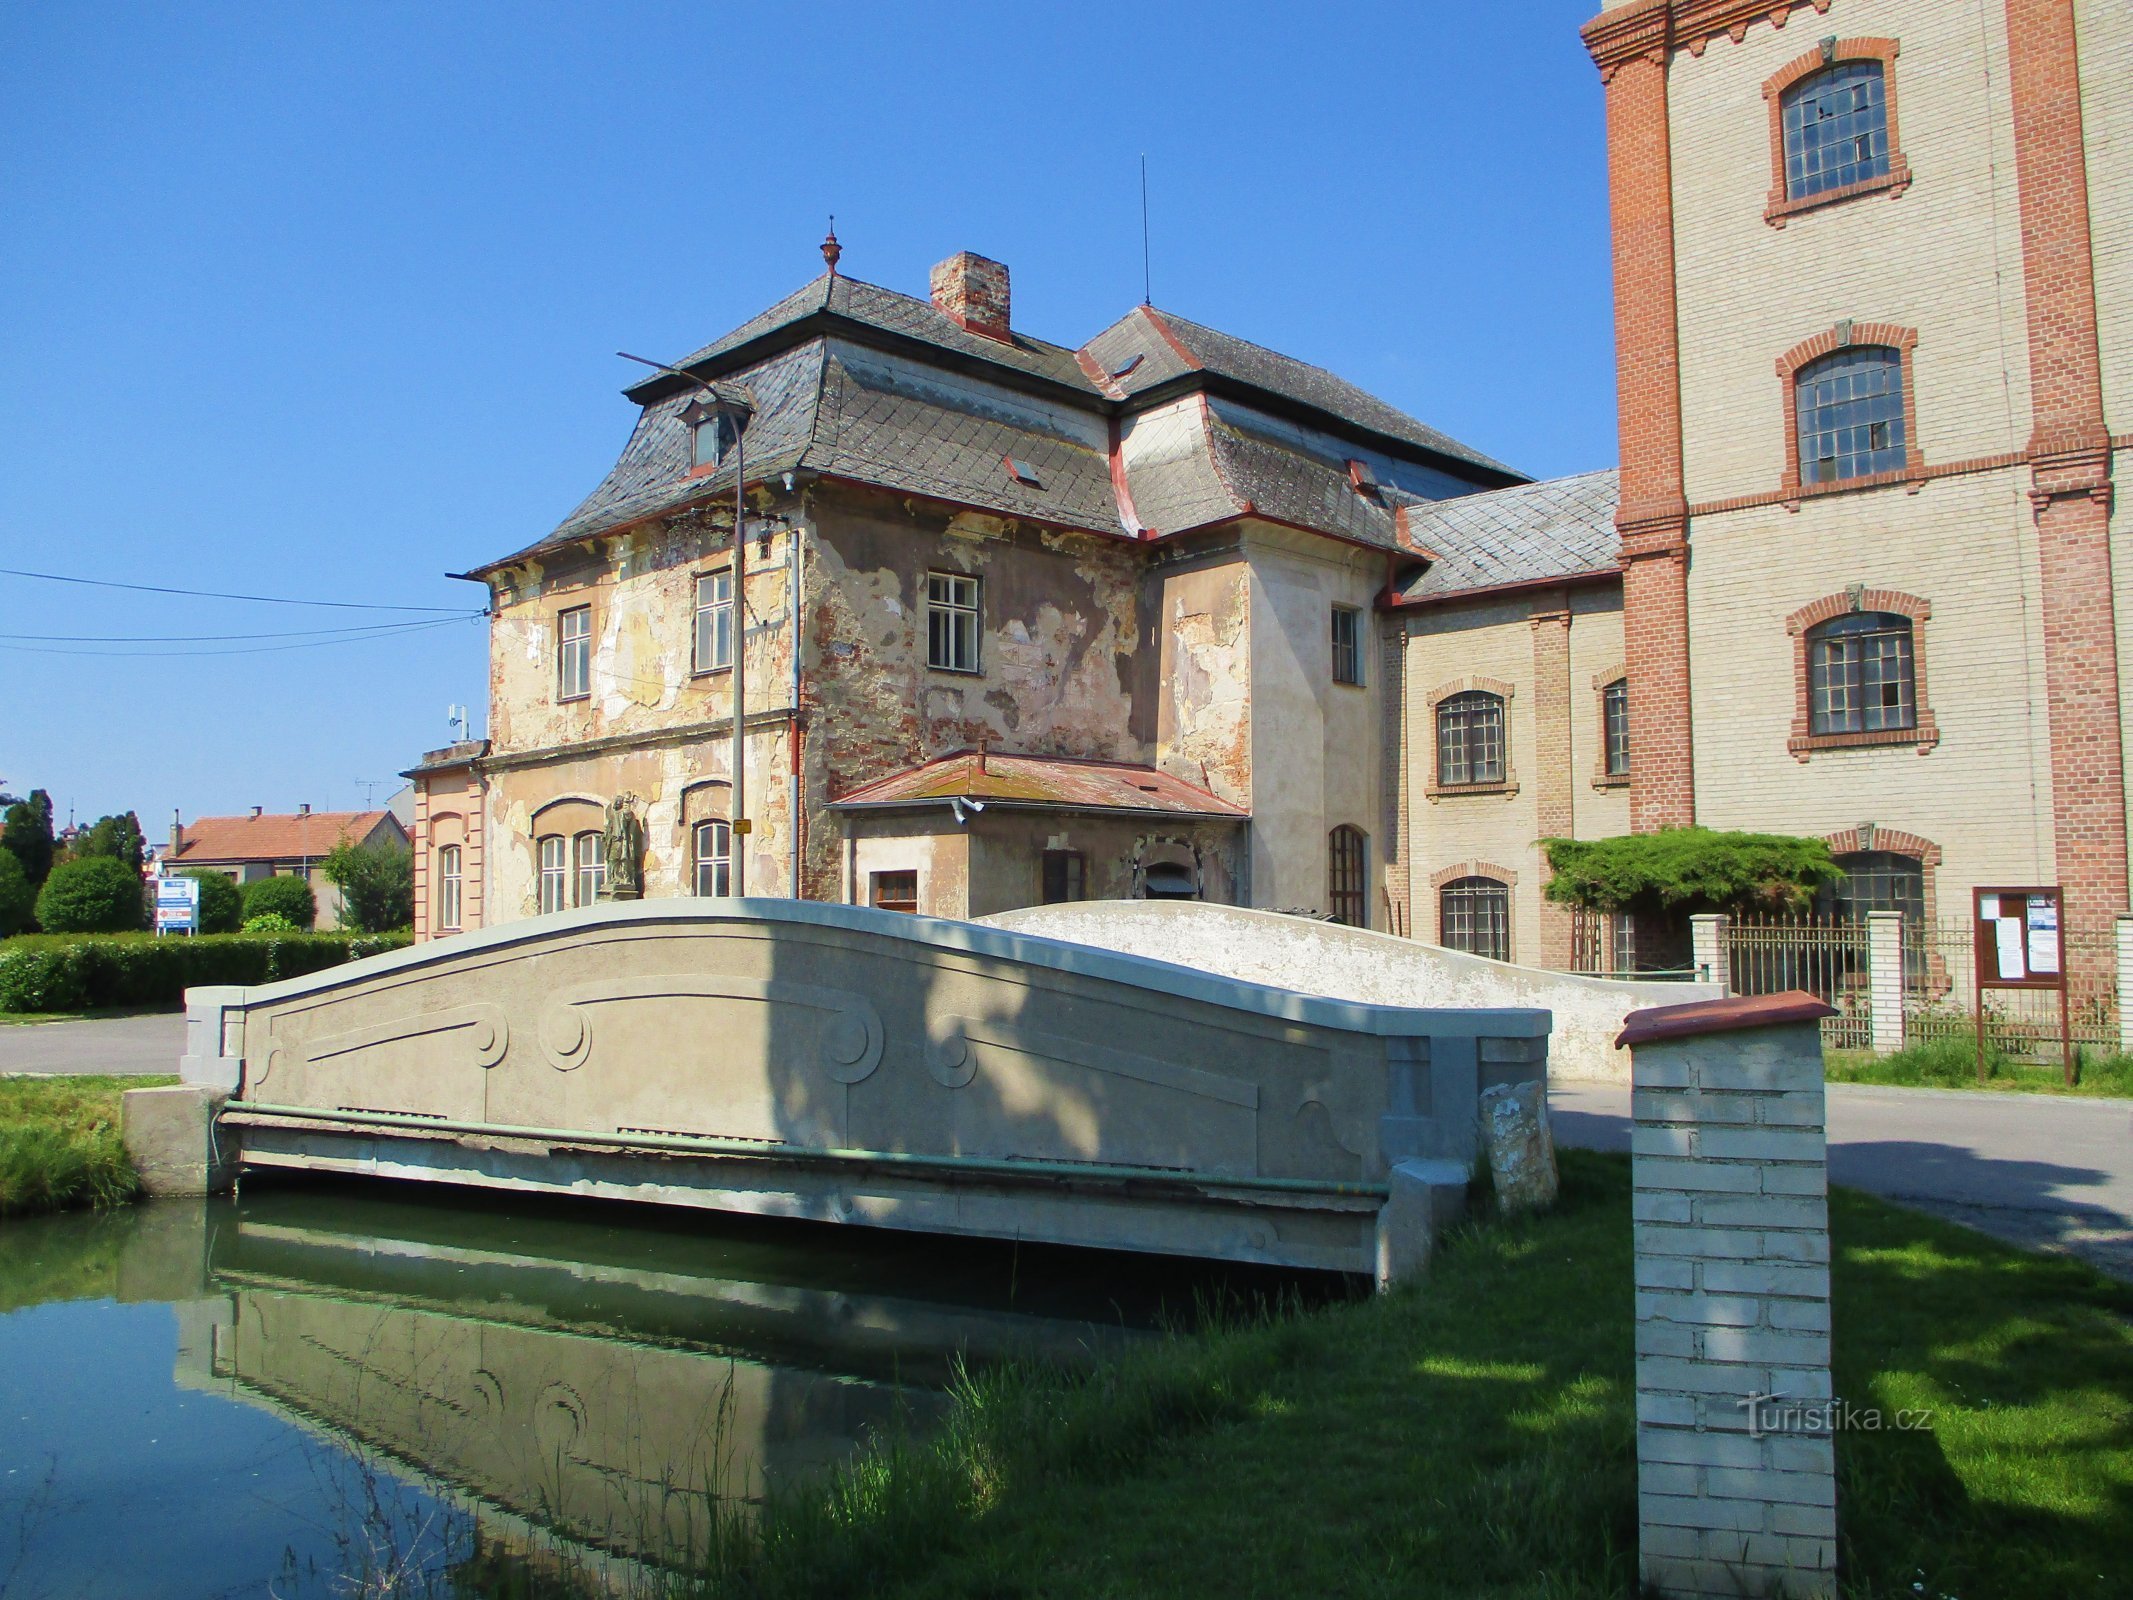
847,1065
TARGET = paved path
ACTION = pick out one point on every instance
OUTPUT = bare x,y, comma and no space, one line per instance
102,1044
2042,1171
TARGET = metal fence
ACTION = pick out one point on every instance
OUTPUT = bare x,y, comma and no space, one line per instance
1826,957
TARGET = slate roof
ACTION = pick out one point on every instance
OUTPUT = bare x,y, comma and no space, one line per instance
863,383
1562,528
272,837
1048,782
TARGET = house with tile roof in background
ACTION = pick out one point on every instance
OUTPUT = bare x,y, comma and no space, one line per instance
1022,622
264,844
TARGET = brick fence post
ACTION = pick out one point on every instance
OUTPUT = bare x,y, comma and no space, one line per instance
1707,948
1884,979
2125,986
1736,1467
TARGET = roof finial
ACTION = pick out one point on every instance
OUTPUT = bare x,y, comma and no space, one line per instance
832,251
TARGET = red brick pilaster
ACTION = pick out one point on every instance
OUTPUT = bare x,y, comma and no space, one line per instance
2070,462
1553,762
1631,46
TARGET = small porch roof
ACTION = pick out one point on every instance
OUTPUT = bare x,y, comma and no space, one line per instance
1053,783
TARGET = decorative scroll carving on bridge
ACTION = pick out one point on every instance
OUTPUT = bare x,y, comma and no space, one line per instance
849,1037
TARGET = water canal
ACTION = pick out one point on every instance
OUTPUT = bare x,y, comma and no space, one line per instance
331,1389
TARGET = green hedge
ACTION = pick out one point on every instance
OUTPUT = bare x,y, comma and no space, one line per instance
74,972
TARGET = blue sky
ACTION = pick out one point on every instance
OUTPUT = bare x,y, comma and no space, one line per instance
321,301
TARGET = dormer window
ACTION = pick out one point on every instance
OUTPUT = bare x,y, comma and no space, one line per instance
1362,479
710,435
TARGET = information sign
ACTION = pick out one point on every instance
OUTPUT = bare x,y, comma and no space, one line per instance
177,905
2016,937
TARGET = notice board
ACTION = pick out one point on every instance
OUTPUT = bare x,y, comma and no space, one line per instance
2018,938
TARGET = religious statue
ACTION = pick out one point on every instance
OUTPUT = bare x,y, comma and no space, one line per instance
623,837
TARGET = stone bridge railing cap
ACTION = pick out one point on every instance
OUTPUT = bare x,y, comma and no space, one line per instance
1721,1016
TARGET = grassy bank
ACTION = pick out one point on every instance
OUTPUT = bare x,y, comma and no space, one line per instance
1952,1064
59,1143
1473,1436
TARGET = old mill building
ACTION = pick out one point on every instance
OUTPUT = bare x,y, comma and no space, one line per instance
1172,615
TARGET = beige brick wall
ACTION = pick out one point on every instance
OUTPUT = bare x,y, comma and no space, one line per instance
1494,639
1965,544
2105,31
1944,258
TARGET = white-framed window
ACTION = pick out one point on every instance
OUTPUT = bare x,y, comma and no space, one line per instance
714,620
555,873
951,622
712,851
448,888
589,867
573,653
1347,645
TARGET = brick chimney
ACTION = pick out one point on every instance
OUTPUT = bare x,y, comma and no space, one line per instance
973,291
177,830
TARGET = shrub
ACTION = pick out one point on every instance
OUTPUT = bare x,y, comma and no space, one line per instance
221,906
18,900
272,922
1690,869
282,895
49,972
26,834
377,884
96,895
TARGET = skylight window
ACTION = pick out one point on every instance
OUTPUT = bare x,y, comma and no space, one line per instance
1126,371
1360,475
1022,472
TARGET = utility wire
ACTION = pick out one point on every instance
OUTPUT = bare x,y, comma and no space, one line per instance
391,631
321,634
216,594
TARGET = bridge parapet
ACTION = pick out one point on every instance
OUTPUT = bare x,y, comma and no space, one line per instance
845,1064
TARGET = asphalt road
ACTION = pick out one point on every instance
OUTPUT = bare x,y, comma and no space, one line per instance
147,1044
2041,1171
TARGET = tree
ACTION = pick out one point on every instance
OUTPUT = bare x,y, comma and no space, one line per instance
221,906
116,837
1680,870
281,895
377,884
27,834
18,901
96,895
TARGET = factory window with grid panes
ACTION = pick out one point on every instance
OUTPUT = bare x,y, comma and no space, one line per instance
1850,414
1860,674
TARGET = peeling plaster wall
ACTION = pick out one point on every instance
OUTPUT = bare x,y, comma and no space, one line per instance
1316,752
1204,716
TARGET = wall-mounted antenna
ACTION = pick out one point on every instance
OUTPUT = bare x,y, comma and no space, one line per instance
1147,291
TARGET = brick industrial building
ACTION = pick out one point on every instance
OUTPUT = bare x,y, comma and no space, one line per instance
1181,615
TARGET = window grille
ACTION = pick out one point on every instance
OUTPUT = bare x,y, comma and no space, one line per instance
1065,876
951,622
1347,877
893,891
555,873
713,853
1474,915
1470,739
1836,129
1879,880
1850,413
589,853
1347,645
1614,712
573,654
448,888
1860,677
714,621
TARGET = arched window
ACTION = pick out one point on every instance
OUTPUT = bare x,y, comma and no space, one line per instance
1614,714
1474,915
589,858
1880,880
1346,876
448,889
555,873
713,855
1836,129
1860,674
1470,739
1849,405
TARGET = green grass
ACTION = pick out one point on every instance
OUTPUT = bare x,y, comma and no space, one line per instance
1952,1064
60,1146
1473,1435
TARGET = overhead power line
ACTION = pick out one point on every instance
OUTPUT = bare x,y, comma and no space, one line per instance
321,634
389,631
217,594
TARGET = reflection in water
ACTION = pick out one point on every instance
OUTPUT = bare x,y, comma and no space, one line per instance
376,1396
